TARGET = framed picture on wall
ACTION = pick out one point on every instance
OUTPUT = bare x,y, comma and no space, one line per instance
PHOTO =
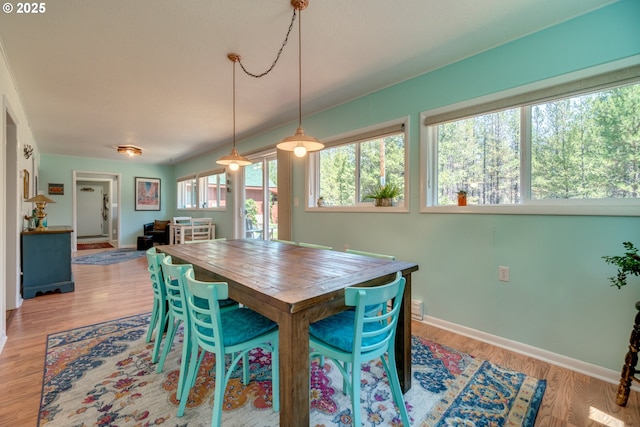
56,189
147,192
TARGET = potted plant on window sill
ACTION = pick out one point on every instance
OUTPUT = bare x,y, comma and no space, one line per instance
383,195
462,198
628,264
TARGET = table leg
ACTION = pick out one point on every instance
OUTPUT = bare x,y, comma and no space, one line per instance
630,362
294,369
403,339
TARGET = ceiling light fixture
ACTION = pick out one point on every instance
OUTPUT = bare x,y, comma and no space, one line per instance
300,143
234,160
129,150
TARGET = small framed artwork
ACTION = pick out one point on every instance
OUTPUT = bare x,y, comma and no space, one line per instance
57,189
147,194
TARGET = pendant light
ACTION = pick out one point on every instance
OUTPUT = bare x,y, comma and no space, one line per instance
234,160
300,143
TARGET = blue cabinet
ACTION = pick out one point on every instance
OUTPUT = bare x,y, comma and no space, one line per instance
46,261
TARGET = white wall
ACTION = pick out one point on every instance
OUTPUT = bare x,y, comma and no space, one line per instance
10,168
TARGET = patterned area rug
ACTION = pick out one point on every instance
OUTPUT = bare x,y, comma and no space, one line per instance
102,375
108,257
99,245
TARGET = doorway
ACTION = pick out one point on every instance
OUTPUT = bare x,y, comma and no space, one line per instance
96,208
260,191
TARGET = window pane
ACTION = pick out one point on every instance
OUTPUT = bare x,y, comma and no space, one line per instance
587,147
350,171
213,191
187,194
382,162
338,175
480,155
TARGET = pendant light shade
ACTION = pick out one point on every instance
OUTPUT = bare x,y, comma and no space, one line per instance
234,160
300,143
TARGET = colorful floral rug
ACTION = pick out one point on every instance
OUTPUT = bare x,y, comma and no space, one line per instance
102,375
108,257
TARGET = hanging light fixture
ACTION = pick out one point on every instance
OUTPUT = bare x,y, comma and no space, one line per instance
129,150
234,160
300,143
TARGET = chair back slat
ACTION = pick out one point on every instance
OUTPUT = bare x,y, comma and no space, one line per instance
175,287
206,321
154,261
375,330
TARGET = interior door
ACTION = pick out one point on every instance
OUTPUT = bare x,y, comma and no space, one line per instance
261,198
90,209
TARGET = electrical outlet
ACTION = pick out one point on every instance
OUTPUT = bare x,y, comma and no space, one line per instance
416,309
503,274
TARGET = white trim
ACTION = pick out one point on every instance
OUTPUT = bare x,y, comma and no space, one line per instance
594,371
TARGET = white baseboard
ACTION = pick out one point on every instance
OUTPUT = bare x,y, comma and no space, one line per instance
576,365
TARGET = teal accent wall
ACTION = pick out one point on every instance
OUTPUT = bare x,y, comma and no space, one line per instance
59,169
558,298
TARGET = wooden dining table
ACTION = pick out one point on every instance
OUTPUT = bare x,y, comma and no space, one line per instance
295,286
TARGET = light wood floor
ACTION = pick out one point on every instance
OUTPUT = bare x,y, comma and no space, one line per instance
108,292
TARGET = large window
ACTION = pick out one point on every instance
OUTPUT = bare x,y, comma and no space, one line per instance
573,150
349,168
207,190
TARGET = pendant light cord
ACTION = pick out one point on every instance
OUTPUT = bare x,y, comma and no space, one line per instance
275,61
299,69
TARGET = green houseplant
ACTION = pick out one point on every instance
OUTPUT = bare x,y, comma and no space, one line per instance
383,195
627,264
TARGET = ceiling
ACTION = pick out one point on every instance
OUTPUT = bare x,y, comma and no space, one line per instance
94,74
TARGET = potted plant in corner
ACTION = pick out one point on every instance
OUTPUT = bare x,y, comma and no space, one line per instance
628,264
462,198
383,195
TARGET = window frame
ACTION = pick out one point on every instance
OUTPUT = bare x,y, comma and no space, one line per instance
196,178
361,135
180,194
574,84
205,174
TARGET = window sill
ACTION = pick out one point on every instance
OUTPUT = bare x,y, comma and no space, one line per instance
623,209
360,209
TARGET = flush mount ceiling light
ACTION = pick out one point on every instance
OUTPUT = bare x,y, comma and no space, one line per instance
234,160
129,150
300,143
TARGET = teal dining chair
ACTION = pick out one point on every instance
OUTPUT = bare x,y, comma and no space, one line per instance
354,337
315,246
371,254
178,314
233,333
159,311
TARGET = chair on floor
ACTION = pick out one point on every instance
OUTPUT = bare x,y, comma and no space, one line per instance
159,312
354,337
201,229
313,245
235,333
183,222
371,254
174,285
